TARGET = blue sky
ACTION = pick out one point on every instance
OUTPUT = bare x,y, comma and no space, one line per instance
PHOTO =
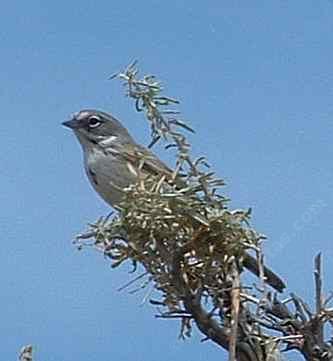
255,80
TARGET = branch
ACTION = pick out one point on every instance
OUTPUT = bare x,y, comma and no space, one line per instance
194,250
26,353
319,296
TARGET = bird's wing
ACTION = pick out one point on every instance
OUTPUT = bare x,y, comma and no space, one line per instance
143,158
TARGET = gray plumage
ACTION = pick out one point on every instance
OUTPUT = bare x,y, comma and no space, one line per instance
111,156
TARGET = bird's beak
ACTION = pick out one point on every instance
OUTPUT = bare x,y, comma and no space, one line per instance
73,123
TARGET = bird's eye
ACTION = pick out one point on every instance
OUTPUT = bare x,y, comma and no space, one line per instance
94,122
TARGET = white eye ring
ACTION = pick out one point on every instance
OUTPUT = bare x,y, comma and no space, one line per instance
94,122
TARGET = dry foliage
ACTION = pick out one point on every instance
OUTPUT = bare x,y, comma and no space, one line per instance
190,247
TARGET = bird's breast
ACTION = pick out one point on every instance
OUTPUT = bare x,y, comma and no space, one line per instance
109,175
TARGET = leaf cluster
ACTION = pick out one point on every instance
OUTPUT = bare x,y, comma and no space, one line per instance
158,219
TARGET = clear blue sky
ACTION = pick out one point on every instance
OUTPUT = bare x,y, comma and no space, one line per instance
256,81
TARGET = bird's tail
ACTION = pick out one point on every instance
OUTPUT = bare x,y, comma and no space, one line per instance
272,279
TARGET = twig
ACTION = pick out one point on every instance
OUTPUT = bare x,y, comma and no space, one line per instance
235,304
26,353
132,281
319,296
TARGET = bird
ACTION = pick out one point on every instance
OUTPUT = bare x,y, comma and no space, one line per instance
113,160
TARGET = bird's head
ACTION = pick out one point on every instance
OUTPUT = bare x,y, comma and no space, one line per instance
97,127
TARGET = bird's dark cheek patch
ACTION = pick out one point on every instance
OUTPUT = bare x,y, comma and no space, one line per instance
93,176
93,141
